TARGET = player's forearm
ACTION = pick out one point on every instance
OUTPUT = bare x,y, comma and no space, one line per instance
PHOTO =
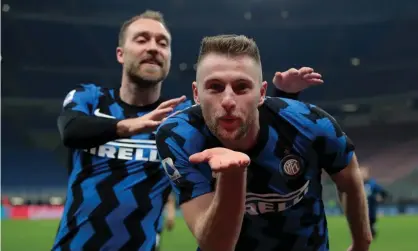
219,228
80,131
283,94
342,199
356,210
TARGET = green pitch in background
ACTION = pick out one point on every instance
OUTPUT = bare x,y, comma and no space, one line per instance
397,233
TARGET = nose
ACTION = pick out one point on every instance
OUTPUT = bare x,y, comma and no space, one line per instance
152,46
228,99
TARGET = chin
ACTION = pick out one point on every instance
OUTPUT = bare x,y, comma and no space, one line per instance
150,75
153,79
142,82
225,135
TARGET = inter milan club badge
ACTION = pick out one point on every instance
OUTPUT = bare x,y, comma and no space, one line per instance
291,166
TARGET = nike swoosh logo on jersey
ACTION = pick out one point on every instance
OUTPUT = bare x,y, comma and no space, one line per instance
97,113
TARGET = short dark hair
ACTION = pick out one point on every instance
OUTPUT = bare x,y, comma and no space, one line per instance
148,14
230,45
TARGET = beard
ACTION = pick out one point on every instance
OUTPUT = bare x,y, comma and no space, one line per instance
225,135
238,133
146,78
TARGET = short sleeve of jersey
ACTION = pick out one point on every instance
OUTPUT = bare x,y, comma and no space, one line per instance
81,99
335,150
176,140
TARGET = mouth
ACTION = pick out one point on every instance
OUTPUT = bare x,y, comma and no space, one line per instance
227,117
151,62
229,122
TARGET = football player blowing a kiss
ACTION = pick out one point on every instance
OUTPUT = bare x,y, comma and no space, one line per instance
247,169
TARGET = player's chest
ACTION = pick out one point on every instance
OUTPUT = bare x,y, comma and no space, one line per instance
139,147
283,165
283,175
109,108
275,184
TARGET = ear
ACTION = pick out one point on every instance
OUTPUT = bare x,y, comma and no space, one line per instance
119,54
263,92
195,93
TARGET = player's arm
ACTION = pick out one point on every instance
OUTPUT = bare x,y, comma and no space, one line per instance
350,185
282,94
80,128
342,199
336,155
214,217
77,125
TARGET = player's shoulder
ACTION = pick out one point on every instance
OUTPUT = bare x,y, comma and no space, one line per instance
279,105
305,116
295,107
84,89
183,122
88,87
183,106
190,116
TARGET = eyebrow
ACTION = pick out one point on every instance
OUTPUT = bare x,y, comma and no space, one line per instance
235,81
147,34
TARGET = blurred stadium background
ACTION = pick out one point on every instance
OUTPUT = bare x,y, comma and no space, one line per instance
367,52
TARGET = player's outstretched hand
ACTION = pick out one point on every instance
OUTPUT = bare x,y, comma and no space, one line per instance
150,121
293,80
221,159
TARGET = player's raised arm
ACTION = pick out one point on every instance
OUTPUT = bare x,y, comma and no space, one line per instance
336,155
214,218
82,126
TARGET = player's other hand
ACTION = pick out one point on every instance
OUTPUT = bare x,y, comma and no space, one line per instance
150,121
222,160
164,109
293,80
169,224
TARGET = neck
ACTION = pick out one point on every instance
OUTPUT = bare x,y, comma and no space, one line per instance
132,94
248,141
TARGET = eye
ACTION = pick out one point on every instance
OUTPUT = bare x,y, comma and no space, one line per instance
163,43
141,40
242,87
218,87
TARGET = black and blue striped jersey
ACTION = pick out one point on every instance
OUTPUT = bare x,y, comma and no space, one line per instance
284,207
117,189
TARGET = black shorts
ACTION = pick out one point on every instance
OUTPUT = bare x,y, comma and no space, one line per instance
373,227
